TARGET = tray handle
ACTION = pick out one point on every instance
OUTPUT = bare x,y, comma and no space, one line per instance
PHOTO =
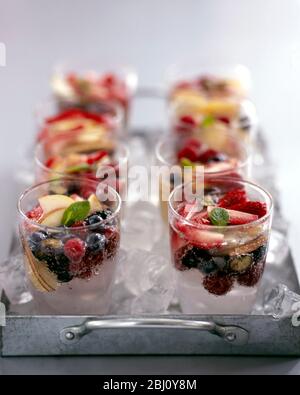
234,335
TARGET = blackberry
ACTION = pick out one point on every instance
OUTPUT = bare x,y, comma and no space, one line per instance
60,266
202,260
194,257
106,214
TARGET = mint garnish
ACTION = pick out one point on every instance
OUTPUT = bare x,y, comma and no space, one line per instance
219,216
185,162
78,211
78,168
208,121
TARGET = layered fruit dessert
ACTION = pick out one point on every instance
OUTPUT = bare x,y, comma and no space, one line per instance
185,156
103,160
89,127
70,244
219,245
213,103
90,90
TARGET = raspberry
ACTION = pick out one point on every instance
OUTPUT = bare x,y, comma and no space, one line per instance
74,249
35,214
189,152
252,276
232,198
218,284
257,208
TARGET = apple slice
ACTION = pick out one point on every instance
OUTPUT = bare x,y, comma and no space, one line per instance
95,203
51,203
41,277
53,218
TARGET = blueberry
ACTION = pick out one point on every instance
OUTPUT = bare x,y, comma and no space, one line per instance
259,253
93,219
217,158
220,261
35,240
208,267
96,242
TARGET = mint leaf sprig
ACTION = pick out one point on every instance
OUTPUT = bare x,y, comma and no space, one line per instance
219,216
77,211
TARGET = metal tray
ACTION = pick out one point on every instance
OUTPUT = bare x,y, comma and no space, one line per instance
171,334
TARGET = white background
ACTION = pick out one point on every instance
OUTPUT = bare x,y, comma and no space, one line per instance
150,34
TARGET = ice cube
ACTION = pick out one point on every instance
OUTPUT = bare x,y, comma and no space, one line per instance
145,283
13,280
281,302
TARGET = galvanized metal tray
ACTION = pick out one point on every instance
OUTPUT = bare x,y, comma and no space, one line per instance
174,333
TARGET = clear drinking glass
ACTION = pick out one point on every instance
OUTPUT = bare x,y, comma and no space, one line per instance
238,164
99,159
85,84
200,92
70,269
218,267
52,121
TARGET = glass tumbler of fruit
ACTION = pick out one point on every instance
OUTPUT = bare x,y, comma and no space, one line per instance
200,95
54,122
219,243
87,84
70,243
225,156
102,159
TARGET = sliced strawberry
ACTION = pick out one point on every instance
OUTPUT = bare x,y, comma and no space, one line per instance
257,208
225,120
188,120
200,218
240,218
96,156
201,238
73,112
94,117
232,198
